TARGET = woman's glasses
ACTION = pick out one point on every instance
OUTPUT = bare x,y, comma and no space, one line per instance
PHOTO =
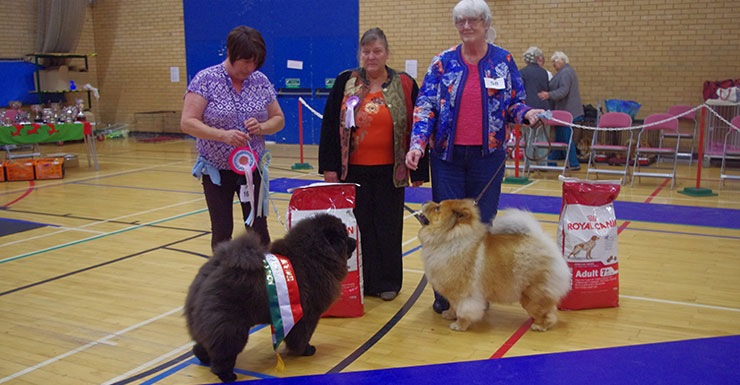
473,22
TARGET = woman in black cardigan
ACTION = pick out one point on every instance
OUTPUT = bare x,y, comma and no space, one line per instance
368,148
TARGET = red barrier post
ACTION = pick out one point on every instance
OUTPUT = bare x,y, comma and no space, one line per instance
698,191
516,179
302,165
701,147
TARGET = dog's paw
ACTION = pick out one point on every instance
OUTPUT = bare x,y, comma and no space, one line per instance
459,326
449,314
309,351
227,377
538,328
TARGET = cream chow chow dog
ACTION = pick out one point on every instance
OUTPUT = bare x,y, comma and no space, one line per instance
472,263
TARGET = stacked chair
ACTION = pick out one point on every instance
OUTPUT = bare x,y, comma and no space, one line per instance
667,124
611,120
690,117
729,153
563,116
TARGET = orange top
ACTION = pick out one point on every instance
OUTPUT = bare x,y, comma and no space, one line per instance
372,141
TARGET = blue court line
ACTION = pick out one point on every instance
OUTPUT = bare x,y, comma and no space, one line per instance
627,211
195,361
701,361
27,222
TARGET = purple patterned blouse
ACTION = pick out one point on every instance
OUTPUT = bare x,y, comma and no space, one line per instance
227,110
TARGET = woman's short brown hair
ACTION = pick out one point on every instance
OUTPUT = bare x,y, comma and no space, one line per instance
246,43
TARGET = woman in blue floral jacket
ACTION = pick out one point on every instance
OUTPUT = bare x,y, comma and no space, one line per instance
469,94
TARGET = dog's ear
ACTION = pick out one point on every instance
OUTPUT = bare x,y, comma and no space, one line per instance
462,213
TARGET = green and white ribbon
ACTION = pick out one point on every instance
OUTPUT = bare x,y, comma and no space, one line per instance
283,296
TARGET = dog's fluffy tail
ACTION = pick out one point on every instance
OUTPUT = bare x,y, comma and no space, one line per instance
243,252
515,221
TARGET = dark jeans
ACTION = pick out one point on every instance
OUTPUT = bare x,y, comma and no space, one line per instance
220,201
379,214
466,175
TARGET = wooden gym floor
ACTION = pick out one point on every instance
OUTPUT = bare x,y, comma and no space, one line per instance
94,269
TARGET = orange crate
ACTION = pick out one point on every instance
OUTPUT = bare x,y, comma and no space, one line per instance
19,169
49,168
2,171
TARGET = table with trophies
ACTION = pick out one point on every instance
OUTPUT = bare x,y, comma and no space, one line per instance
47,125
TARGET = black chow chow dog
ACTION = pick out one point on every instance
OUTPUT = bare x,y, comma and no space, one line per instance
229,295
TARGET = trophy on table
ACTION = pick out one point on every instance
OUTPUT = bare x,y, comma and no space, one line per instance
47,116
55,110
80,115
36,108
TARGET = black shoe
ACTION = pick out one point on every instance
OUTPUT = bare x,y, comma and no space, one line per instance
440,305
388,295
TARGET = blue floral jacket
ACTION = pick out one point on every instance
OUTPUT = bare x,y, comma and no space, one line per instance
435,113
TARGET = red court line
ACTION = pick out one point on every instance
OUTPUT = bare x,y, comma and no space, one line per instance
525,326
513,339
30,188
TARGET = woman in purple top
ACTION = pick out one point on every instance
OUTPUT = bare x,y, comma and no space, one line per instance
227,106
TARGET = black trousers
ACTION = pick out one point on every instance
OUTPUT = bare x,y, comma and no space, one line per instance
379,214
220,201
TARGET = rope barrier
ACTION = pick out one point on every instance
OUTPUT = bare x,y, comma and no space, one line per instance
645,125
320,116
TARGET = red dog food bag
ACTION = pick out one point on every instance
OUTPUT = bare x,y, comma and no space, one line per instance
337,199
587,237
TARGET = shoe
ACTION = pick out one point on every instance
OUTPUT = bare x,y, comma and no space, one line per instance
388,295
440,305
576,168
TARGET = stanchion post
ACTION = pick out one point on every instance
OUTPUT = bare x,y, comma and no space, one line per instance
516,179
699,191
301,165
300,127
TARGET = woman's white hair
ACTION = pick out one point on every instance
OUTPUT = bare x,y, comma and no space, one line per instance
531,55
559,55
470,9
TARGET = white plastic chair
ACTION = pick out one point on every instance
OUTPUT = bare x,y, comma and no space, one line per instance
564,116
688,117
667,128
729,153
611,120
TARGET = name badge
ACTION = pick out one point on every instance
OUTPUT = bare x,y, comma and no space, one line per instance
496,83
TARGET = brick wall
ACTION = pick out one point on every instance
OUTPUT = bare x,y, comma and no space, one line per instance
17,28
137,41
656,52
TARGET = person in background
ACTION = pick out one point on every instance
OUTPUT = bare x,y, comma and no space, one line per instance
469,93
564,95
231,105
371,153
535,80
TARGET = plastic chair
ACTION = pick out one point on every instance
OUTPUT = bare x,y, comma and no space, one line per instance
564,116
643,148
689,117
611,120
729,153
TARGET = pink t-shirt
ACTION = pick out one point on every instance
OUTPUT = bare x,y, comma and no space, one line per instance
469,130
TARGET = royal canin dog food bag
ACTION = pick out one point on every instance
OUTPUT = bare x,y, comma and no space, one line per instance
587,237
337,199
